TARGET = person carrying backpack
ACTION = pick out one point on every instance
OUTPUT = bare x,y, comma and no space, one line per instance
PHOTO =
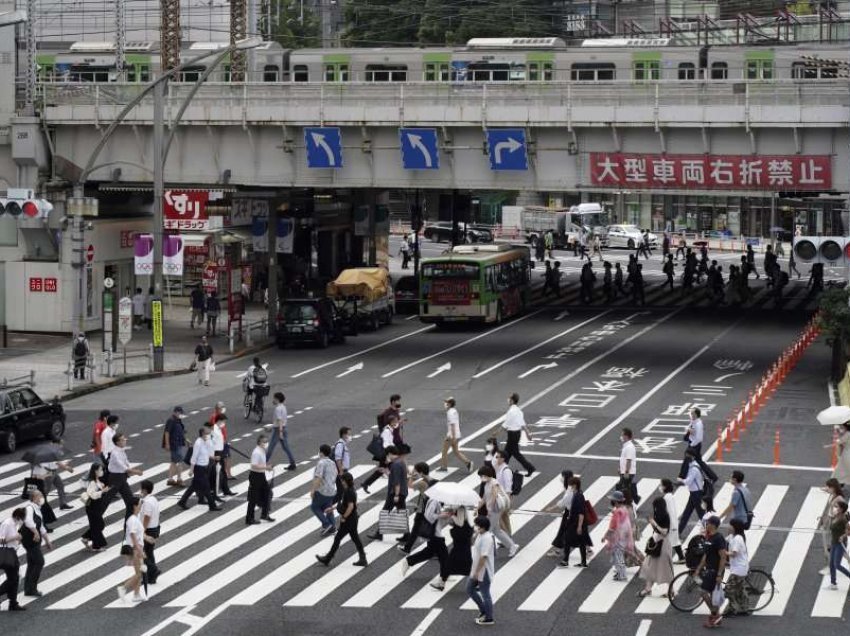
257,376
80,355
740,507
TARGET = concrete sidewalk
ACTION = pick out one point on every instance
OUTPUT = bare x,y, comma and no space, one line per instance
49,357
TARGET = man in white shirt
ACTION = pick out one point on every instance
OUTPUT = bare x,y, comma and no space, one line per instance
119,471
628,464
514,424
483,571
202,457
279,433
11,538
259,493
694,435
695,483
32,535
452,437
107,439
150,522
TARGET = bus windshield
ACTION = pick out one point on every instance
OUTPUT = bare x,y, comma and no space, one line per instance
450,270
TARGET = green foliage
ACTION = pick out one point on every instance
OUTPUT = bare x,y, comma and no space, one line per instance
446,22
834,316
290,30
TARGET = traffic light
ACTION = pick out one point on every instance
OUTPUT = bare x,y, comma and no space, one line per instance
20,202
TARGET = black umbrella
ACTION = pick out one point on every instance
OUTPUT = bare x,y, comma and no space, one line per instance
43,455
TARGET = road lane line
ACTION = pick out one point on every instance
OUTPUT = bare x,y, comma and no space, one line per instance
590,443
794,551
643,628
360,353
489,332
537,346
422,627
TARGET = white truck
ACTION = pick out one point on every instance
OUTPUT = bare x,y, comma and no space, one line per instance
566,223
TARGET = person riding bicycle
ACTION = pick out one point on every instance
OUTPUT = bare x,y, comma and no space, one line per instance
255,377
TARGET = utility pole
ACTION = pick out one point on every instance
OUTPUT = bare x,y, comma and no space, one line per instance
169,34
31,75
158,195
120,39
237,32
271,234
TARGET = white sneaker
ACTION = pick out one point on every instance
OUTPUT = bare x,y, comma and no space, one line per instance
832,586
405,566
823,571
512,552
122,592
139,598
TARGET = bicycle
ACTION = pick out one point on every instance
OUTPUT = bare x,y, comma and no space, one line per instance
685,592
257,404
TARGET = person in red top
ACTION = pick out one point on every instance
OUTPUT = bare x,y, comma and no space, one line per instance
99,425
220,409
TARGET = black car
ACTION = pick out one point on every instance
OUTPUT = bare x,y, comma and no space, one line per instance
441,232
25,416
309,321
406,295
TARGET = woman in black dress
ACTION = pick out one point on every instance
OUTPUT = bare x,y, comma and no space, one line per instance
576,534
460,555
563,504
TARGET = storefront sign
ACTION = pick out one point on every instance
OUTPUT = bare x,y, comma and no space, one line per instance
210,278
285,235
143,249
172,256
156,319
185,210
244,211
711,172
36,284
125,320
126,238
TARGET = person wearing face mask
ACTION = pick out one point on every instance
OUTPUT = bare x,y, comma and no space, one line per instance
259,493
387,437
666,490
837,549
833,489
628,465
119,470
396,485
490,448
494,501
342,458
483,571
107,439
563,504
347,509
514,424
93,538
32,536
420,481
10,540
452,438
505,477
658,569
202,457
619,538
434,521
576,534
739,567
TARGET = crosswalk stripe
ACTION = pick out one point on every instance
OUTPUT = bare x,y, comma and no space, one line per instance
529,554
763,514
326,584
256,557
795,549
427,596
660,604
187,541
5,468
830,603
607,591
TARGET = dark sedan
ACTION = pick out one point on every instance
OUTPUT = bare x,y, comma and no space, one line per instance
25,416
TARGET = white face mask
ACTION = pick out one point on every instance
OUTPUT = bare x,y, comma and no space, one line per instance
347,438
490,447
622,439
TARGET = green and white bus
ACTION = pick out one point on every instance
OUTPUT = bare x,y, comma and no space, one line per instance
475,283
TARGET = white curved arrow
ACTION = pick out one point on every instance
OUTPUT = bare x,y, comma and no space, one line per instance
416,142
510,144
319,141
551,365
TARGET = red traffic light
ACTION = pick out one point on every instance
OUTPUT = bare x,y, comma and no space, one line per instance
31,209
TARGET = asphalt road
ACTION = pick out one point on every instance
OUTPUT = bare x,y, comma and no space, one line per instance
582,372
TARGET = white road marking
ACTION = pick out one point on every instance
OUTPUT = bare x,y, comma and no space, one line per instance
590,443
360,353
562,315
351,369
445,367
643,628
551,365
487,333
423,626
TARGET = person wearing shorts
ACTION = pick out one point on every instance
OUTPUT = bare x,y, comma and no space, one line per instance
711,568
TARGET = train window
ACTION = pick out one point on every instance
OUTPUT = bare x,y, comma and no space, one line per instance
487,72
385,73
436,72
533,71
336,72
719,70
803,70
687,71
540,71
646,70
592,72
300,73
517,73
759,69
271,73
548,71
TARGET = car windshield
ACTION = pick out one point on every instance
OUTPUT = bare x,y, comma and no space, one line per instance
298,312
629,228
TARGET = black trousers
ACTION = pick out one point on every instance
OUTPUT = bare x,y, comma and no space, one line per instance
347,527
150,559
694,505
512,450
200,485
9,587
375,476
411,537
259,494
35,564
436,547
94,514
118,486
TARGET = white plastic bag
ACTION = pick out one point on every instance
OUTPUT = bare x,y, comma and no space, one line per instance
718,597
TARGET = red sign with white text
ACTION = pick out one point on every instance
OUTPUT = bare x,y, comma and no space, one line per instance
50,285
711,172
36,284
185,210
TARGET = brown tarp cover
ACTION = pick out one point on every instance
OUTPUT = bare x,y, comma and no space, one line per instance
370,283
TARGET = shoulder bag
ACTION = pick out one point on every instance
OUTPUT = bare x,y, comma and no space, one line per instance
393,522
749,512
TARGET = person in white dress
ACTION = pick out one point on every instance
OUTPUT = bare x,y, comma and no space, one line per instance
842,468
666,489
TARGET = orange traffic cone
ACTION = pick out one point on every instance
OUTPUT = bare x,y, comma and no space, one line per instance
719,457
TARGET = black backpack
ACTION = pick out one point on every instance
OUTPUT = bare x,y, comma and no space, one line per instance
80,349
694,552
260,375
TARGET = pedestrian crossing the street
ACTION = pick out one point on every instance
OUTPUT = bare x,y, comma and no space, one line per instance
216,558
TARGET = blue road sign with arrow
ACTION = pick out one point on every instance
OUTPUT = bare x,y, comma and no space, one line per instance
324,147
507,149
419,148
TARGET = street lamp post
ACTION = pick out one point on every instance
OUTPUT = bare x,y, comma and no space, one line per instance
160,148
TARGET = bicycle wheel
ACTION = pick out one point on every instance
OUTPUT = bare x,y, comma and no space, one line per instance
259,407
246,403
684,592
760,589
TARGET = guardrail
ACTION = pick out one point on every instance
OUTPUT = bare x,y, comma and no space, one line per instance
21,380
238,332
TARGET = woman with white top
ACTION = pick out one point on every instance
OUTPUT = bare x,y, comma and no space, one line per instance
739,567
495,500
452,438
10,541
217,437
93,538
666,490
133,550
483,571
563,504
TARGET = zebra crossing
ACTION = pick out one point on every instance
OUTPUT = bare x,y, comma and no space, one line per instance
203,555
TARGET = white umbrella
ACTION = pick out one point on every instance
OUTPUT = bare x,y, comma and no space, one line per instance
453,494
834,415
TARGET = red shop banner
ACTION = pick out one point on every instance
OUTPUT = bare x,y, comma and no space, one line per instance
711,172
185,210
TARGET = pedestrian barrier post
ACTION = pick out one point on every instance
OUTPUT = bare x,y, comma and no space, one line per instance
728,439
735,432
742,419
719,457
70,374
776,448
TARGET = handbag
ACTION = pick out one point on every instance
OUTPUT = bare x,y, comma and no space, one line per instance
393,522
187,459
653,547
376,448
85,498
750,514
126,550
30,484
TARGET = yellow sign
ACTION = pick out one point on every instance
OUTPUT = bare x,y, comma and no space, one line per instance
156,317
